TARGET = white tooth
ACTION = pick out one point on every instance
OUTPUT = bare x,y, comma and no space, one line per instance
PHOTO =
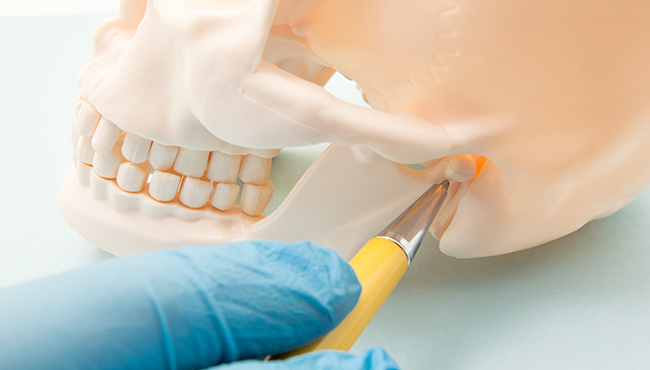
223,167
255,198
106,165
80,101
255,170
135,148
130,177
194,192
191,162
225,195
162,157
98,186
87,119
83,173
74,136
105,136
163,186
85,150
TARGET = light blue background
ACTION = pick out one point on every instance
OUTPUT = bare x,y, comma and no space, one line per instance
581,302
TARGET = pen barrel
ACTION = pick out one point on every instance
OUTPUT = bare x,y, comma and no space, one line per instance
379,266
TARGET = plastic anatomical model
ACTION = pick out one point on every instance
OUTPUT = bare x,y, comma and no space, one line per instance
547,104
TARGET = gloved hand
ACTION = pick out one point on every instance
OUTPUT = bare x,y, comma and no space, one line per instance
185,309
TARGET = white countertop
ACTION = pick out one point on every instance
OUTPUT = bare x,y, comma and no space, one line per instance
581,302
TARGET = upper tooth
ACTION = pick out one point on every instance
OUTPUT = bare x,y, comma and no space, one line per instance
87,119
162,157
225,195
194,192
105,136
255,198
106,165
135,148
131,177
255,170
85,150
80,101
223,167
163,186
191,162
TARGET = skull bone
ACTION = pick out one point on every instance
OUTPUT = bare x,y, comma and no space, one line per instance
554,96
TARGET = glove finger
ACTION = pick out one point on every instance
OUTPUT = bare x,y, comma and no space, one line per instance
370,359
190,308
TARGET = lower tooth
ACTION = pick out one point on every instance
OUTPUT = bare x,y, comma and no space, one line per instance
106,165
255,170
131,177
255,198
85,150
105,136
163,186
194,192
83,173
225,195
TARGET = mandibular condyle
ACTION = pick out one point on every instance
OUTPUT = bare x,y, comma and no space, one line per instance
176,122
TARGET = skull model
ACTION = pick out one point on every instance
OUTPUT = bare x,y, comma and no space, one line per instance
537,112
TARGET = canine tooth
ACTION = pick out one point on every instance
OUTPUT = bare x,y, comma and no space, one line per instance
223,167
163,186
106,165
130,177
105,135
85,150
162,157
194,192
87,119
191,162
225,195
135,148
255,198
255,170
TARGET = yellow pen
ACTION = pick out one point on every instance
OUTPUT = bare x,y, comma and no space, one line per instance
380,265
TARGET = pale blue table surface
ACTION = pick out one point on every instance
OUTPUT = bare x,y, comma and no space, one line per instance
581,302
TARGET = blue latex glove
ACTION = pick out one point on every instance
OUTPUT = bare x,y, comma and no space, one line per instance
186,309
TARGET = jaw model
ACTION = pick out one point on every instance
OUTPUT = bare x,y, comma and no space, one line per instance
548,107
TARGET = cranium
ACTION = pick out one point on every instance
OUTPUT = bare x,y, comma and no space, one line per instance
548,102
